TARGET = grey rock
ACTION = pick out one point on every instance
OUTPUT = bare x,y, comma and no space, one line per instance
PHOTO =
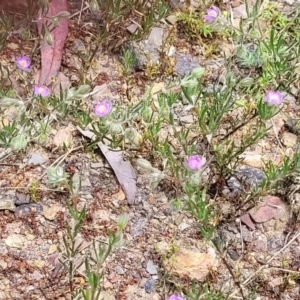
274,244
148,50
185,63
233,254
151,268
293,125
247,235
144,53
183,226
26,209
240,11
86,183
149,285
79,46
97,165
156,37
290,2
175,4
22,199
36,159
137,228
171,19
245,177
119,270
7,203
189,119
132,28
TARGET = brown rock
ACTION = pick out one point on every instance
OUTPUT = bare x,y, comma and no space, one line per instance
190,263
289,139
51,212
247,221
270,207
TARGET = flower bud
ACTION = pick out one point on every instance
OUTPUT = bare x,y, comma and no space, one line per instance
138,139
94,6
130,134
49,38
189,82
76,184
63,15
146,114
83,89
56,175
198,72
195,179
155,178
25,34
144,164
115,128
230,78
246,82
122,221
7,102
18,143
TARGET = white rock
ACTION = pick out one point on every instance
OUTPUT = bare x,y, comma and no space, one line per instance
8,204
15,241
3,265
183,226
289,139
51,212
290,2
240,11
156,36
151,268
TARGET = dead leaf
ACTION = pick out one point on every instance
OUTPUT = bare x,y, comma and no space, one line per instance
122,169
51,56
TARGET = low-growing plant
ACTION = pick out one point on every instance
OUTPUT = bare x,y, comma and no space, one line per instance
195,157
72,256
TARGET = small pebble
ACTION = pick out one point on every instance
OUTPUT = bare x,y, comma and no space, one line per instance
97,165
151,268
22,199
26,209
149,285
233,254
119,270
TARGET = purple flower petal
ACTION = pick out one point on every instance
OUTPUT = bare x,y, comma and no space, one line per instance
213,11
102,109
209,19
211,14
274,98
195,162
23,62
41,90
174,297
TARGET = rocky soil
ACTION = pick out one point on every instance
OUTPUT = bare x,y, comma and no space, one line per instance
256,247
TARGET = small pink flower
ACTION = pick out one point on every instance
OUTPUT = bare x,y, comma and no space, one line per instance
274,98
211,14
102,109
41,90
23,62
174,297
195,162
